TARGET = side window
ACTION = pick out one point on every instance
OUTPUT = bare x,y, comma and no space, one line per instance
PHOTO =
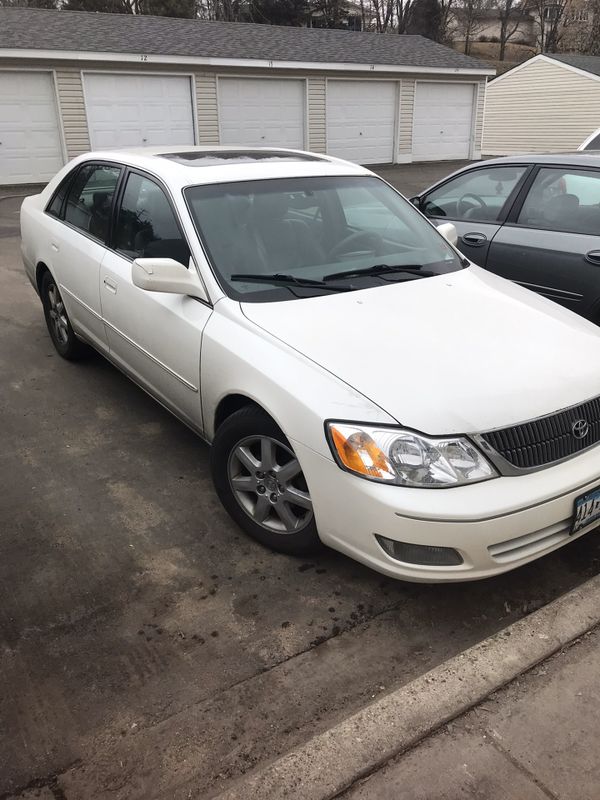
563,200
55,206
478,195
146,225
89,201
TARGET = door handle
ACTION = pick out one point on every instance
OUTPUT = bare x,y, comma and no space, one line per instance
110,285
55,247
593,257
474,239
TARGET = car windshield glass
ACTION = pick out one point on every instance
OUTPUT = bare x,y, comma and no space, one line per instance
311,228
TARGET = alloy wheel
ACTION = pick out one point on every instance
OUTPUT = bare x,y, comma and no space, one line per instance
58,315
267,481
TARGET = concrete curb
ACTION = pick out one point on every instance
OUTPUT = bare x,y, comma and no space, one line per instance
332,761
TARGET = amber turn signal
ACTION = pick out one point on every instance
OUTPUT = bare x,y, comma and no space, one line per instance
358,452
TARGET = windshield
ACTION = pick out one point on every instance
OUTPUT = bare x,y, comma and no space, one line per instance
312,236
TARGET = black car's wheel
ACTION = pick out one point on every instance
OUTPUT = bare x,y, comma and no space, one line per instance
260,482
62,334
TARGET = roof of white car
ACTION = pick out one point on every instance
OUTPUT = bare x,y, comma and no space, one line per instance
198,165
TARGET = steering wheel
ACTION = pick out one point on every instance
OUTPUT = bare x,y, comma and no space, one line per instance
462,207
354,241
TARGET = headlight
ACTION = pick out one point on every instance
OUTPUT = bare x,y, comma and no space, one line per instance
405,458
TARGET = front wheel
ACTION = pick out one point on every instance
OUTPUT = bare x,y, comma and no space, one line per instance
260,483
59,327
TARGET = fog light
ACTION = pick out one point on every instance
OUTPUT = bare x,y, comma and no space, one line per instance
425,554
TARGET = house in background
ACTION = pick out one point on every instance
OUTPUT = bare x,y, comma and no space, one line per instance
484,26
71,81
550,103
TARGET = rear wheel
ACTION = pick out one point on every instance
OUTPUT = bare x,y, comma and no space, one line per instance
62,334
260,482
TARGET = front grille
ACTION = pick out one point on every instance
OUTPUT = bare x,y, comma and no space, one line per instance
548,439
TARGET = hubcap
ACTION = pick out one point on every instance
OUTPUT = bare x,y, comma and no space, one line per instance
58,315
267,482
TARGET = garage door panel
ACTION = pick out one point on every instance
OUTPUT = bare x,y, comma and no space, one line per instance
361,120
135,110
262,112
31,148
443,121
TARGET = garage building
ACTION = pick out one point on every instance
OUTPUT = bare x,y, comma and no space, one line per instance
549,104
72,81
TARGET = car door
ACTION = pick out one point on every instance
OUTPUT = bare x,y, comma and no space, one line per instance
551,240
154,336
78,243
476,202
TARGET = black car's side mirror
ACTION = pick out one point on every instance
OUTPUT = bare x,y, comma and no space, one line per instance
416,201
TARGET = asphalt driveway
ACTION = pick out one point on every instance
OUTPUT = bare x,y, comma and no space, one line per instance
148,648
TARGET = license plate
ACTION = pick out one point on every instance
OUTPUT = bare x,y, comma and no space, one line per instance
586,510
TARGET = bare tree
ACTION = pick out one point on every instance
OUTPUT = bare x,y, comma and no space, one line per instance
404,10
445,17
383,14
469,17
550,16
511,14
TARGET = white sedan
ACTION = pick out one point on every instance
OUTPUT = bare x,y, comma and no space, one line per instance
360,382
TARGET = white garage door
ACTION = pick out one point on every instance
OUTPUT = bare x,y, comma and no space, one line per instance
262,112
136,110
443,121
30,147
361,120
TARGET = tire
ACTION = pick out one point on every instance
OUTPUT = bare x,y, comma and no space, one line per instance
258,479
59,326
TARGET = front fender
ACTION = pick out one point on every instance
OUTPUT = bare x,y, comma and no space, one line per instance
238,357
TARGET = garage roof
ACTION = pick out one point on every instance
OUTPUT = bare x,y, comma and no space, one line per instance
586,63
78,31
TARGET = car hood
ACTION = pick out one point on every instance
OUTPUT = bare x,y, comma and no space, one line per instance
456,353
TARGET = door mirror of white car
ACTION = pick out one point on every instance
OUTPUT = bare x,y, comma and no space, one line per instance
449,233
166,275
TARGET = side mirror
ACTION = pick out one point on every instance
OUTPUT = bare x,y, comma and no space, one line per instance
166,275
449,233
416,201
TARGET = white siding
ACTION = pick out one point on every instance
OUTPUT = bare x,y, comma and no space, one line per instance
542,107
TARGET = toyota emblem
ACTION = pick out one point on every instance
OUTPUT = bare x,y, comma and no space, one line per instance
580,428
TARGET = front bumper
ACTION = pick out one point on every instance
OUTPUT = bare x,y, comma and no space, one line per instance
496,525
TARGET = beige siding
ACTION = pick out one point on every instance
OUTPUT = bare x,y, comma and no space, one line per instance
317,121
542,107
479,119
72,108
207,108
405,128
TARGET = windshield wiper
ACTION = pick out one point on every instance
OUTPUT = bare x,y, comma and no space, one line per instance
381,269
288,280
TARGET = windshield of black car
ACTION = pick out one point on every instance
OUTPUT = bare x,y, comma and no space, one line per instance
310,228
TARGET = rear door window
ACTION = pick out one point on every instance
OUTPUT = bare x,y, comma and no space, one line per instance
565,200
90,198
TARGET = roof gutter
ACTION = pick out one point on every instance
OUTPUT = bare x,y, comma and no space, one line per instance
88,55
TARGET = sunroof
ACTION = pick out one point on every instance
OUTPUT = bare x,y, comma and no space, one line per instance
215,158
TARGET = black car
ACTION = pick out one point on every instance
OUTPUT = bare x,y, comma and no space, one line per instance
532,219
